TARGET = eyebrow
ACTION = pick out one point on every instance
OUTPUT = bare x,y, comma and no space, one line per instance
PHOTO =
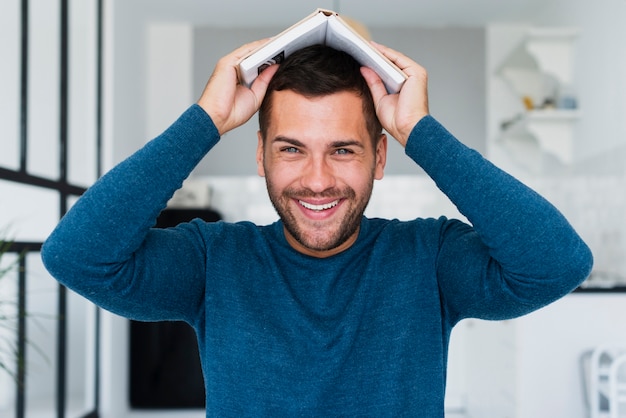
347,143
288,140
334,144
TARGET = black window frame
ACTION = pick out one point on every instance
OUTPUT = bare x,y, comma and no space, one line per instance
65,190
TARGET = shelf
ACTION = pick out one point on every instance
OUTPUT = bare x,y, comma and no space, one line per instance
553,49
544,56
553,129
538,69
553,115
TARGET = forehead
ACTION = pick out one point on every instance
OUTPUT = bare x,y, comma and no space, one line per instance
337,114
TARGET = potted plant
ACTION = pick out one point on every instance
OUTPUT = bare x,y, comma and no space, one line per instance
8,323
11,362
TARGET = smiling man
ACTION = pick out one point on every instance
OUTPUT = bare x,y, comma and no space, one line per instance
324,312
320,149
319,175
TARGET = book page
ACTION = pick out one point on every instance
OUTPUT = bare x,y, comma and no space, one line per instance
340,36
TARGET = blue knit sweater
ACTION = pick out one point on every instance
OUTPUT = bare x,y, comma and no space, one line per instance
362,333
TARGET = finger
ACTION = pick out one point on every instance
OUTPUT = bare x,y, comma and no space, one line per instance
259,86
226,68
406,64
376,85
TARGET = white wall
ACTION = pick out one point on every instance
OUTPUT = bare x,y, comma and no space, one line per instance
125,97
551,343
9,87
454,57
457,85
599,70
544,349
168,78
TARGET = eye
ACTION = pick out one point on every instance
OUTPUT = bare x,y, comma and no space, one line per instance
343,151
292,150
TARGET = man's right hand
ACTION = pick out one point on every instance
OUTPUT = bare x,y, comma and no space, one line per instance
228,103
399,113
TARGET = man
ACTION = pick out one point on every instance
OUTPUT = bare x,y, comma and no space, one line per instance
324,312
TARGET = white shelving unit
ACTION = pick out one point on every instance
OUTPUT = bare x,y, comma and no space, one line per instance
553,130
539,73
533,64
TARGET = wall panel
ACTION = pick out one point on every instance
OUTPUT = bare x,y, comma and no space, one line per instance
82,158
28,212
9,83
43,88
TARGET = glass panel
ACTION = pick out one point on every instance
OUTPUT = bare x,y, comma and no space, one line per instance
82,122
80,354
70,201
10,82
29,213
41,332
43,89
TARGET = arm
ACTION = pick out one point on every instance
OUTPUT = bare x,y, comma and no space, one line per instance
520,253
104,247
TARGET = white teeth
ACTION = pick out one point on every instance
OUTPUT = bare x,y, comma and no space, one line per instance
319,207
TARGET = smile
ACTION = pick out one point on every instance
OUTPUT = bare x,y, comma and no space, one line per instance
319,208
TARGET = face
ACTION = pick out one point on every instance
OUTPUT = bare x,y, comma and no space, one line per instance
320,164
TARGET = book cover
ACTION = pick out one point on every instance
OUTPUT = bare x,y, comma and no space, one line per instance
321,27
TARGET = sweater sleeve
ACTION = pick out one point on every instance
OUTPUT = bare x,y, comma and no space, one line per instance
519,253
105,249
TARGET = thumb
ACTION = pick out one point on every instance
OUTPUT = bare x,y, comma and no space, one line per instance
384,103
376,85
260,84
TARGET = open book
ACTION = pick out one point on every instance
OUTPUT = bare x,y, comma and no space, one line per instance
321,27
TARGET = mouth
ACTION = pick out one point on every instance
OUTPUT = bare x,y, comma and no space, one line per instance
318,207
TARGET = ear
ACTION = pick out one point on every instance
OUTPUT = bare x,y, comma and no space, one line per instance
259,155
381,157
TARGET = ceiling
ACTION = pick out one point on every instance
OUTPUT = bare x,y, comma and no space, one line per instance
375,13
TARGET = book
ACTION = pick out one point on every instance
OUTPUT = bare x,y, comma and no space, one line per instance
321,27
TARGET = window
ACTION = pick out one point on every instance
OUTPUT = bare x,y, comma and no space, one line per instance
50,114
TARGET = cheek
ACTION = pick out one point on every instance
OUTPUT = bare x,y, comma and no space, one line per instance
363,183
276,177
281,170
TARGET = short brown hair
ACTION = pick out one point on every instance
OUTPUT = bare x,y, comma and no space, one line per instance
316,71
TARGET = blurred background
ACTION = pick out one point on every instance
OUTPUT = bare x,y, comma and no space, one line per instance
538,87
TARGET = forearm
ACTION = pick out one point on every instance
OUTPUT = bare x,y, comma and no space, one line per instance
529,239
110,222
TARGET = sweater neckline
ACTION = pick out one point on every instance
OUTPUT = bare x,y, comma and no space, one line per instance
278,233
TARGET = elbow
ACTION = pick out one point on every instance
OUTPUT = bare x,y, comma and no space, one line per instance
52,256
59,256
582,263
576,262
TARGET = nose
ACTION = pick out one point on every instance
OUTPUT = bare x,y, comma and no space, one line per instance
318,175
